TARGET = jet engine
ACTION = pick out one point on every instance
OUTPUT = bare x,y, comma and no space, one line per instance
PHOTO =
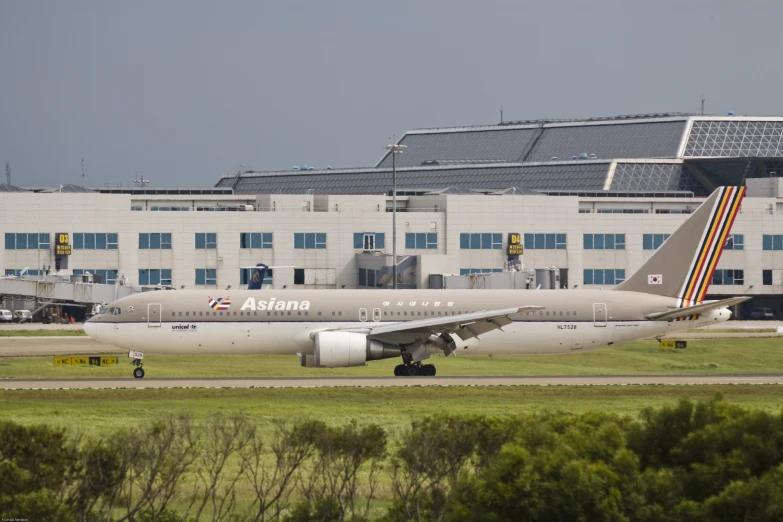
339,349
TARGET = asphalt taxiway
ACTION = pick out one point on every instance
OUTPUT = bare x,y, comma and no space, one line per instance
385,382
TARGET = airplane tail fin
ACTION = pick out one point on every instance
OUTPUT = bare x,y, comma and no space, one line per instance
257,279
683,266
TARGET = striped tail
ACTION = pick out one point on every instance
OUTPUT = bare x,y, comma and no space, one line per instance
683,266
711,245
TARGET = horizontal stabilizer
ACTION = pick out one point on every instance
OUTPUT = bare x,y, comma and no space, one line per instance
676,313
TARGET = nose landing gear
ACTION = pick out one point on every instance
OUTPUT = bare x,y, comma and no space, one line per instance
138,371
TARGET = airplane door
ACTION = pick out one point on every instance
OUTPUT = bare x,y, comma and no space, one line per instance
153,315
376,314
599,314
362,314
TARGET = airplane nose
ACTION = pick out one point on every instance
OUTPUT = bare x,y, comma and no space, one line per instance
91,329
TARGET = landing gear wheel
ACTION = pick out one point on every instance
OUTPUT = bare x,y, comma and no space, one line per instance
428,370
399,370
138,373
412,370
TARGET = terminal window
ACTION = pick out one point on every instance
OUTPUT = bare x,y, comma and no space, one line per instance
206,276
481,241
735,242
310,240
155,241
246,274
604,276
421,240
13,271
95,241
468,271
728,276
27,241
772,277
545,241
604,241
653,241
206,240
369,240
155,276
768,242
255,240
106,277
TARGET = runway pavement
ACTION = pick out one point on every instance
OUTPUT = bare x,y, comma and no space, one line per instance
380,382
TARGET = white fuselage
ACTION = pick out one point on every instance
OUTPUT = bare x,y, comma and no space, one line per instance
288,338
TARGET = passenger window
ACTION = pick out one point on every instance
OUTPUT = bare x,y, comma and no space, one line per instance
319,313
173,314
214,314
187,314
568,313
268,314
289,313
332,314
405,313
574,314
339,313
180,314
221,314
547,314
255,314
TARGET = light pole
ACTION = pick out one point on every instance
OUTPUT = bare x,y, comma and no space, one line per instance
394,149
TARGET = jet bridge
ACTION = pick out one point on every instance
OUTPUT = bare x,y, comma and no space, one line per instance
35,292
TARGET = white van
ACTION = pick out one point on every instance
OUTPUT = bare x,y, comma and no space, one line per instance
23,316
6,316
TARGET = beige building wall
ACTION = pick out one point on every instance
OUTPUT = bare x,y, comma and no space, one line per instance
339,217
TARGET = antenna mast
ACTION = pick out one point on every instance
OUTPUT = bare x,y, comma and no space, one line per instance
501,114
702,104
141,182
82,172
8,173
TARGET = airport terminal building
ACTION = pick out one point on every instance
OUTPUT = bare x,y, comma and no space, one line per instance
550,204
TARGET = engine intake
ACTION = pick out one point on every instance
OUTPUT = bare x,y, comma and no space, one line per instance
341,349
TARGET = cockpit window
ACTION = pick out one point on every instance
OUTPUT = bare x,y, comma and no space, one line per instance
116,311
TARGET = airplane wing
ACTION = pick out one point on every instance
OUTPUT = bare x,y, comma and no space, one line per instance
676,313
466,326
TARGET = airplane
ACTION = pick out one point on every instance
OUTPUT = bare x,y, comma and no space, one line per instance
340,328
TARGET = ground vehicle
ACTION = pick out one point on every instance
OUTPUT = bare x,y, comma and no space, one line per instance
23,316
762,313
6,316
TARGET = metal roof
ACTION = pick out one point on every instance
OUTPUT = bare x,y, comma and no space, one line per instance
628,140
4,187
574,175
655,136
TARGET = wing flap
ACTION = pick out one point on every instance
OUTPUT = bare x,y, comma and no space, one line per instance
694,310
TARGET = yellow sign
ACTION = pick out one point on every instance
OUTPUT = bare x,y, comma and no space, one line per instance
62,246
667,345
515,244
86,360
671,345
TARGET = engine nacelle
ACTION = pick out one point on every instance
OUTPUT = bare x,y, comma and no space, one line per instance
340,349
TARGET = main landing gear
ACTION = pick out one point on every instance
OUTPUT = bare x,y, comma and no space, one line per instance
414,370
138,371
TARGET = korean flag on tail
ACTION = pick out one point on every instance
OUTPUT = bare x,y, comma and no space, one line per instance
654,279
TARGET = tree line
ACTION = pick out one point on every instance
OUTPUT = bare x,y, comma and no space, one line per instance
708,461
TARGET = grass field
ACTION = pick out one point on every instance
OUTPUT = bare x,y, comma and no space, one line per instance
60,332
94,412
709,356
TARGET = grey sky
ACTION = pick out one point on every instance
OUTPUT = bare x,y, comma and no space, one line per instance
187,91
